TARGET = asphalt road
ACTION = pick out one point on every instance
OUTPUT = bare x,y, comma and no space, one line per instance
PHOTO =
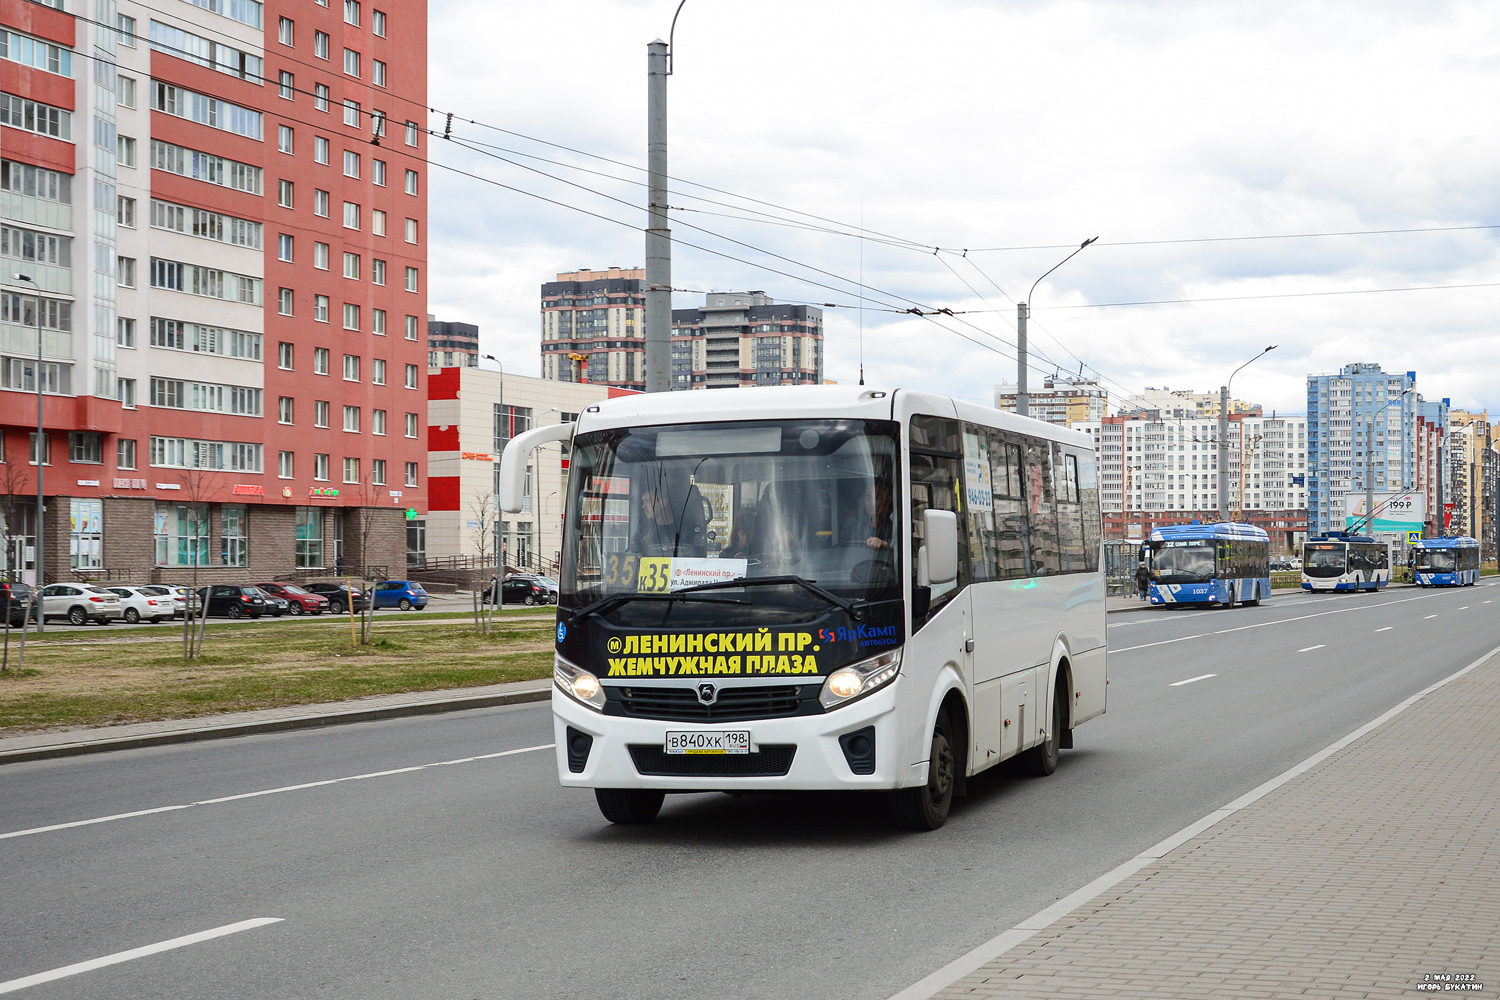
483,878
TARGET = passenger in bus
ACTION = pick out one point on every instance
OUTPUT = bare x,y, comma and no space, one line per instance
739,538
879,510
671,521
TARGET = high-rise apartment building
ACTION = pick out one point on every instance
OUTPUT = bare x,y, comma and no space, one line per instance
222,208
452,345
594,330
1471,462
1366,426
1059,401
1184,403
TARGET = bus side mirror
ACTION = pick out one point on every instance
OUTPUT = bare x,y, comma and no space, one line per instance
940,531
517,454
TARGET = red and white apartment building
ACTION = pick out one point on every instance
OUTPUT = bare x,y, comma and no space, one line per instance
222,208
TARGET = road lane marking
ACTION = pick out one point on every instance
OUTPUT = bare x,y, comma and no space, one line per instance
1278,621
1464,608
1386,629
1003,942
1309,649
1190,680
272,791
134,953
1425,617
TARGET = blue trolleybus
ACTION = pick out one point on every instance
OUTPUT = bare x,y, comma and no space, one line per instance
1210,564
1345,562
1447,562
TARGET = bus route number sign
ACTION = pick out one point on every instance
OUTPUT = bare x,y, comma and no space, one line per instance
736,741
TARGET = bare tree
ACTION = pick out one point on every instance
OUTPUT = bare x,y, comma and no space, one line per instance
367,499
19,493
482,533
196,488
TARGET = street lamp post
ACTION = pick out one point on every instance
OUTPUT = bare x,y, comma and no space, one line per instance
41,449
1224,435
1023,313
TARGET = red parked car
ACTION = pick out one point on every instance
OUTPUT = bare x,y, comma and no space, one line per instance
299,601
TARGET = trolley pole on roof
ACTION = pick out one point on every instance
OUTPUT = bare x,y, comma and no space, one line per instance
658,233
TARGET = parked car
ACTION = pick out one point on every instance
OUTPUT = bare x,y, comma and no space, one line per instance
403,594
80,603
338,596
524,588
299,601
141,606
276,605
178,596
13,598
230,600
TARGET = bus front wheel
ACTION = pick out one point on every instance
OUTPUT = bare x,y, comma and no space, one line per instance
629,806
926,807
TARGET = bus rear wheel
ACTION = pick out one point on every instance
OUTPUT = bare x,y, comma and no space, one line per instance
1041,760
629,806
1254,600
926,808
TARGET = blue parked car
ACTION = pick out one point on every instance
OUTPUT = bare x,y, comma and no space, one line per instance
403,594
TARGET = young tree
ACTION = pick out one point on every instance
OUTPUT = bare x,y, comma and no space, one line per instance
484,513
19,494
196,490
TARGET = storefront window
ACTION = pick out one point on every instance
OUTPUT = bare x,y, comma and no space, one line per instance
309,538
86,538
181,535
233,549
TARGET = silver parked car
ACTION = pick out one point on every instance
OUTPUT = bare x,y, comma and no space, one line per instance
140,605
81,603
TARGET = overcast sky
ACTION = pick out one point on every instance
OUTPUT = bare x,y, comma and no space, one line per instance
995,125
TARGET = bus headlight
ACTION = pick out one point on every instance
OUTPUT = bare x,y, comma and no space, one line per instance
577,683
859,679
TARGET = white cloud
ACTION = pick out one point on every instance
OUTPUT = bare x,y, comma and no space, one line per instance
989,124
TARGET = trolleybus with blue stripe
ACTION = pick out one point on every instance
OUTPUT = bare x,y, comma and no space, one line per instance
1210,564
1447,562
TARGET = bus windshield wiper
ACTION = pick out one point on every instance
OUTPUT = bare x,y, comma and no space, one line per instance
615,600
855,610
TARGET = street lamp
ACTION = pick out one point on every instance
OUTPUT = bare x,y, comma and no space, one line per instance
1224,435
1023,310
41,450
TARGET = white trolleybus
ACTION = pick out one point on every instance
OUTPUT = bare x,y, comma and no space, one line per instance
819,588
1345,562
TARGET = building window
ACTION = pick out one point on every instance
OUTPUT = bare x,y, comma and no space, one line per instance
284,465
411,473
285,85
320,361
351,62
320,308
351,215
509,421
320,203
125,150
284,138
377,22
125,332
377,422
377,370
181,535
234,539
351,266
351,419
320,44
411,183
377,472
125,91
320,98
377,73
377,173
86,446
320,468
320,413
411,425
284,356
351,113
125,212
126,26
377,270
351,368
320,256
411,376
411,133
411,279
126,391
411,328
284,194
284,410
377,322
284,247
309,534
284,302
125,453
377,221
351,12
320,150
284,31
351,316
411,230
125,272
351,163
351,470
46,448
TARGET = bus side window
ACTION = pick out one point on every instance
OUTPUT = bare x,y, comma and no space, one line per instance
1070,542
1040,504
980,488
1088,496
937,465
1012,536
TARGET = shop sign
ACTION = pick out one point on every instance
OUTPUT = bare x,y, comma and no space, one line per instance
169,486
322,491
478,456
130,484
88,482
249,490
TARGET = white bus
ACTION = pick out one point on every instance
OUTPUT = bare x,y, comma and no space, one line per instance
819,588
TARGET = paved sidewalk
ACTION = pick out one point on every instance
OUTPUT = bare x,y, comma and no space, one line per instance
67,743
1371,874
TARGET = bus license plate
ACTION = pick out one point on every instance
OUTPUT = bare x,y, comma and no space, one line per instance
714,743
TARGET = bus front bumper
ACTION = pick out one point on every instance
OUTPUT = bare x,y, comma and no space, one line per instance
819,762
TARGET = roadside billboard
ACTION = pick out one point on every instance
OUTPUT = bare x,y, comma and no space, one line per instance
1403,511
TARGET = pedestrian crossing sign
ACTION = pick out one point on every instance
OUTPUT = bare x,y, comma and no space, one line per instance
1413,537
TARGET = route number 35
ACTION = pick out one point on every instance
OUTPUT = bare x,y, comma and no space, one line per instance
655,576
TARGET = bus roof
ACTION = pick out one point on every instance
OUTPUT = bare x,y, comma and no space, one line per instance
805,402
1334,536
1456,542
1217,529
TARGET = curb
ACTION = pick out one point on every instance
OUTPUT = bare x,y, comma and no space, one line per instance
273,726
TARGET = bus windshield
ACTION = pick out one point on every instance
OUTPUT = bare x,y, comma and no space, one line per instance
1323,560
1437,560
1183,562
657,510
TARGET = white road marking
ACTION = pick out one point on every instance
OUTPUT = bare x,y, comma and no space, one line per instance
134,953
1278,621
1425,617
271,791
1309,649
1464,608
1386,629
1040,921
1190,680
1489,602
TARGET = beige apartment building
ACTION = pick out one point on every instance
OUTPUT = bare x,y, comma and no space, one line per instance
1058,401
